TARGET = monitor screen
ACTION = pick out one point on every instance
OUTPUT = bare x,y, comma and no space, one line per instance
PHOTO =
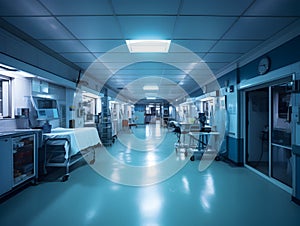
51,113
46,108
45,103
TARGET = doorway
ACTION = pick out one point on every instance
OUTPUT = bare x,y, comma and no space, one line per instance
257,153
281,156
268,131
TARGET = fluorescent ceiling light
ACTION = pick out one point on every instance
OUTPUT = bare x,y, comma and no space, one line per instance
8,68
150,87
17,74
150,98
13,72
148,46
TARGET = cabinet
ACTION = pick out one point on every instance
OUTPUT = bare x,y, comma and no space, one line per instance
6,165
105,130
17,160
105,126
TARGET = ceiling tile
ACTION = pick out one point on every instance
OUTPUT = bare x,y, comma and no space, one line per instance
78,7
149,65
102,45
134,73
275,8
117,57
83,65
221,57
192,45
216,65
257,28
79,57
102,56
116,81
202,27
40,27
22,8
214,7
114,67
184,58
174,73
139,7
147,27
234,46
92,27
189,84
95,67
61,46
188,66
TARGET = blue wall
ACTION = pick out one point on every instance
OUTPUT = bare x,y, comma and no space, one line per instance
235,150
140,107
281,56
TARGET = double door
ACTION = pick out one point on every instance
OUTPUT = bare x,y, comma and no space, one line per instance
268,131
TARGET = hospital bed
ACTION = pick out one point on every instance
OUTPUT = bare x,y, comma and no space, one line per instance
64,147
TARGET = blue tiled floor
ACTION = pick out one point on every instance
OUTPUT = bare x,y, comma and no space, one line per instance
221,195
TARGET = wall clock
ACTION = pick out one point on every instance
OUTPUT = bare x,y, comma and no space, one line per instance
264,65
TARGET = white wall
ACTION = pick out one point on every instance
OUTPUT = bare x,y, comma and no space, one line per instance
77,114
21,92
232,110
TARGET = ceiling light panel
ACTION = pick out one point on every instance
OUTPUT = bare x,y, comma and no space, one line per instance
150,87
148,46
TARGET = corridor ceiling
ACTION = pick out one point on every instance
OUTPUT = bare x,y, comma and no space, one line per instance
208,38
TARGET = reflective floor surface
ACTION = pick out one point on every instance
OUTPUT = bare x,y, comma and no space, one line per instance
141,181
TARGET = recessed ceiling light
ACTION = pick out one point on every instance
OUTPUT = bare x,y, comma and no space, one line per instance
8,68
150,87
150,98
148,46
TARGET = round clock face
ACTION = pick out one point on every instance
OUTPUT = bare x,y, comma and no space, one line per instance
264,65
